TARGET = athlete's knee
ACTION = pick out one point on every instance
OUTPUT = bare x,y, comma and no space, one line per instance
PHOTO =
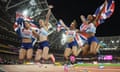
21,57
22,50
95,52
30,50
74,53
66,55
45,58
84,53
38,53
29,56
91,51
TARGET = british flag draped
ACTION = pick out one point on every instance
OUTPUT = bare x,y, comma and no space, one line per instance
107,11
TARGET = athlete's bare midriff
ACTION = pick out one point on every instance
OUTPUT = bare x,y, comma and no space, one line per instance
43,38
91,35
26,40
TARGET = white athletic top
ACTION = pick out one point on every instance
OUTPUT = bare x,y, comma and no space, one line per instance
70,33
91,28
26,33
43,32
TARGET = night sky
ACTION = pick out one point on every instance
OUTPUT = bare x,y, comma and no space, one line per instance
72,9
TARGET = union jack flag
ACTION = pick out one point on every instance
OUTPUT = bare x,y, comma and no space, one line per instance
80,39
20,23
83,27
107,11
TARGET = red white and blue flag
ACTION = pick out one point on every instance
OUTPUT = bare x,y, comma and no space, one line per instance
83,27
107,11
20,23
80,39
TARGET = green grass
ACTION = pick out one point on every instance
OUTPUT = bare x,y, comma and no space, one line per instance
85,64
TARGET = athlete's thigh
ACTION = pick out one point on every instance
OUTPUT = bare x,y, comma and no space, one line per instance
67,51
93,46
85,47
74,50
39,51
29,53
22,53
45,51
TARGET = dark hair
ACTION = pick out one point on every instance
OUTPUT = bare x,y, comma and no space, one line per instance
92,19
75,22
26,21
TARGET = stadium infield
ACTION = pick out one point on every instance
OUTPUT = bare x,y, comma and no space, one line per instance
60,68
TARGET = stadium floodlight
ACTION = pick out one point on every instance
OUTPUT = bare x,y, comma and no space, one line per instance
25,12
112,41
62,41
49,25
101,41
117,41
64,38
33,3
39,13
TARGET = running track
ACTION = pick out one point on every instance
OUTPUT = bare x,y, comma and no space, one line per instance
53,68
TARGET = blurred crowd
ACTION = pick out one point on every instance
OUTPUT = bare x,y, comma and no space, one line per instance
8,59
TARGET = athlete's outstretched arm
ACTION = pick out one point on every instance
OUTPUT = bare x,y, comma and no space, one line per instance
83,19
63,24
48,16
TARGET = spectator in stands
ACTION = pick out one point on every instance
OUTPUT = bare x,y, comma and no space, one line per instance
1,61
